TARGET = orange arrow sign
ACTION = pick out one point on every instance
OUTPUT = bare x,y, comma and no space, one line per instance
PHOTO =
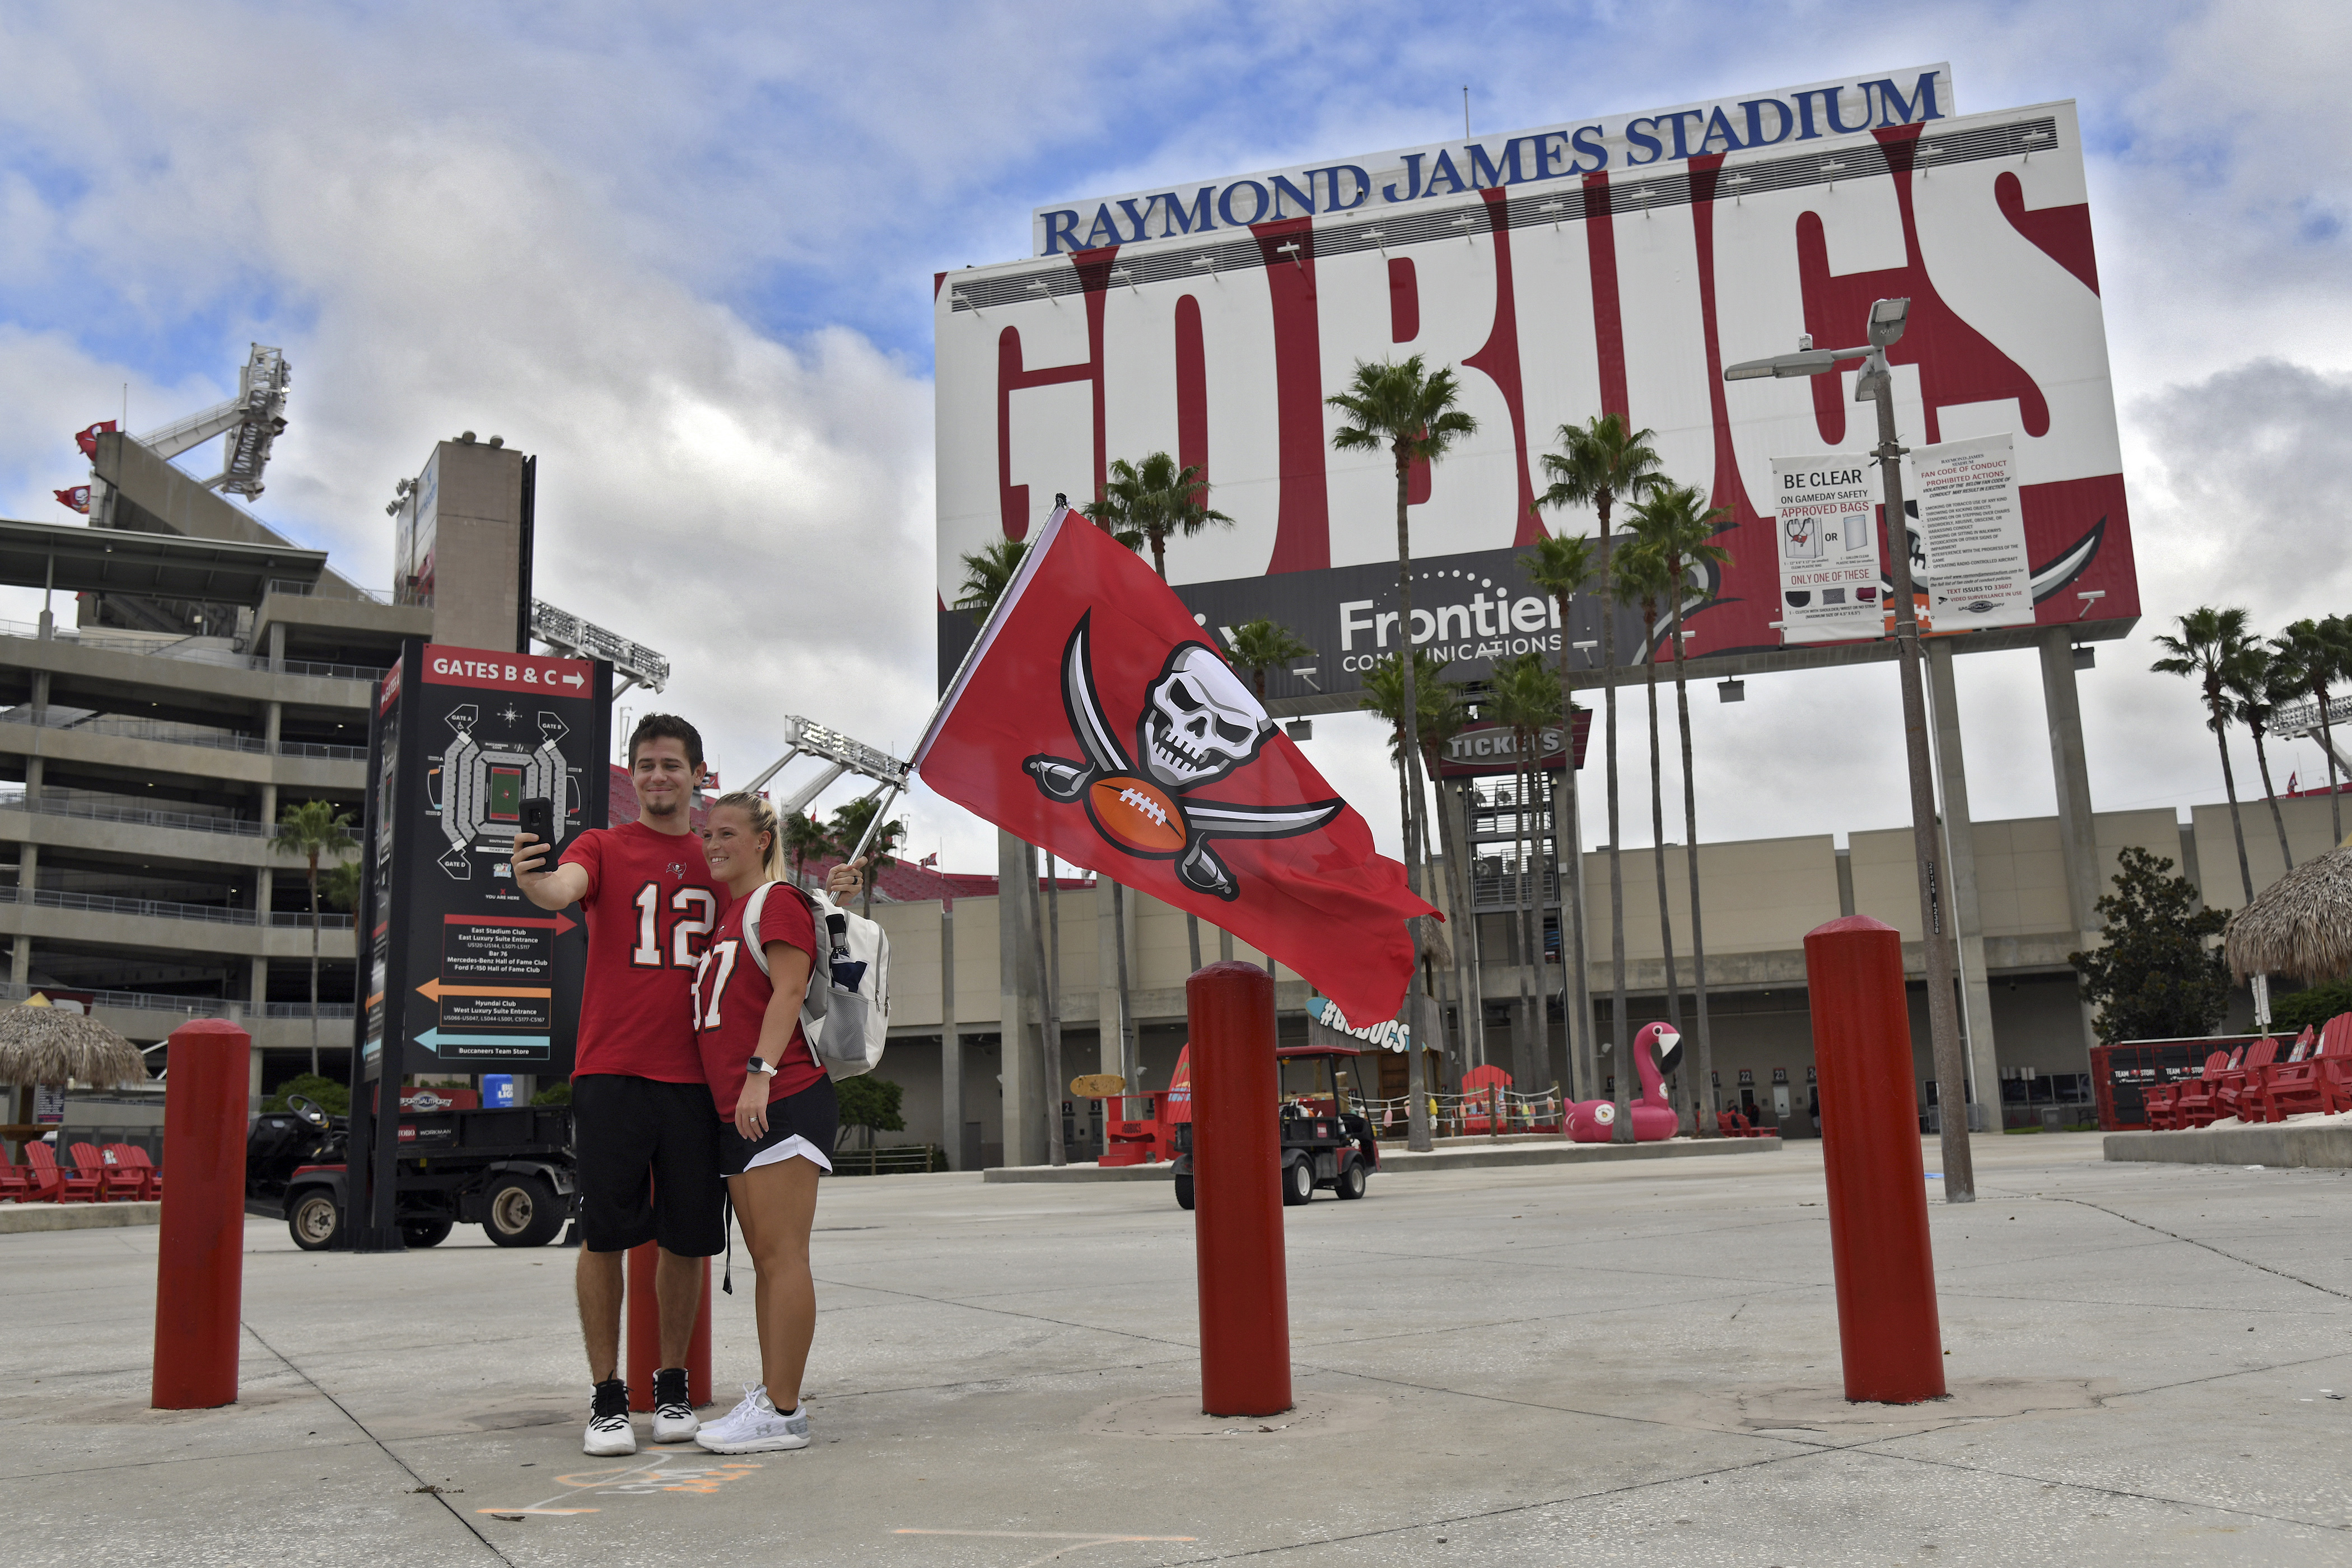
434,989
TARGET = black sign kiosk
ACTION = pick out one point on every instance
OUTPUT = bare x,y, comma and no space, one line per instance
463,972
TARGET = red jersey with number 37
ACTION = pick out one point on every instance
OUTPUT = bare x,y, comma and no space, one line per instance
733,992
652,904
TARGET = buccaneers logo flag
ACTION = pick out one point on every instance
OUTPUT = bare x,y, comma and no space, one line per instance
1093,719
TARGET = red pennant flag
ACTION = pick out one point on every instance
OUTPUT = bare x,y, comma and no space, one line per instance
77,497
1093,719
88,439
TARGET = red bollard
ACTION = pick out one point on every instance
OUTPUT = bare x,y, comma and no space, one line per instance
200,1260
642,1315
1888,1329
1237,1192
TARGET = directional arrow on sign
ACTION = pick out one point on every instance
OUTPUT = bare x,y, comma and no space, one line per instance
434,1039
575,681
434,989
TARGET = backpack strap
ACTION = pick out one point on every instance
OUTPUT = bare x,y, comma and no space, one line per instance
758,900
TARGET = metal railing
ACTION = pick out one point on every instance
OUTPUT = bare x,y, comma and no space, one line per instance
165,909
196,651
177,734
184,820
190,1006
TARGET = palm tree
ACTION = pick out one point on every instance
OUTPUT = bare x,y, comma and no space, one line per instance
1639,578
1681,525
1148,503
1442,716
1263,645
805,840
310,830
2257,677
987,572
1600,463
1526,697
1409,413
1560,567
2321,653
2210,643
342,886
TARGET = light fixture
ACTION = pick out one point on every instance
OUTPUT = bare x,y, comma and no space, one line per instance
1300,729
1731,691
2086,656
1886,321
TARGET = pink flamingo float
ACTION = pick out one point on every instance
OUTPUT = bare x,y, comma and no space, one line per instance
1656,1049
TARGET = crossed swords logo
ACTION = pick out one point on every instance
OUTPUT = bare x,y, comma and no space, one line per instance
1199,724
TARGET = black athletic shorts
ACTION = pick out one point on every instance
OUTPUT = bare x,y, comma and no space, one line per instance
648,1156
815,1113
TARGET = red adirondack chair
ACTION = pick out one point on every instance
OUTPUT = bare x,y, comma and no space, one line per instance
1732,1124
132,1157
2163,1100
15,1184
2195,1106
117,1182
2321,1081
2231,1088
59,1184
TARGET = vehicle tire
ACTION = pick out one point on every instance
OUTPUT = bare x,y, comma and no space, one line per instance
315,1219
1298,1182
426,1233
1184,1192
522,1212
1351,1180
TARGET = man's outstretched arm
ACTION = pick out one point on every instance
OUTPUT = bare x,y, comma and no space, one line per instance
556,890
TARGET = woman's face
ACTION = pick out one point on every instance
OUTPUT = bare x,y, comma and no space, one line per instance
731,844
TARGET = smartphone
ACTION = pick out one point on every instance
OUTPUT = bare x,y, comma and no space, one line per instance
539,818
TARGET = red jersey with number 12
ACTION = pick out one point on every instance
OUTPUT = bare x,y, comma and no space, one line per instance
651,904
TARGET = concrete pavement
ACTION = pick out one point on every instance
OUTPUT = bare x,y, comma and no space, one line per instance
1604,1365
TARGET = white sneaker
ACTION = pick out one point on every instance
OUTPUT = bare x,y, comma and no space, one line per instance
755,1402
760,1430
610,1434
674,1417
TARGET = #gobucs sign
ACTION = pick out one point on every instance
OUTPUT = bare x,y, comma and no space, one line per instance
1095,719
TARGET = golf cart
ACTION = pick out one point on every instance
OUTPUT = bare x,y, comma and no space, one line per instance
1324,1144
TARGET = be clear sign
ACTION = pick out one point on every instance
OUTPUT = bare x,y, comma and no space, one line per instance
1829,549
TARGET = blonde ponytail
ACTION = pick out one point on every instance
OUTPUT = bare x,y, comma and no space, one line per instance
763,820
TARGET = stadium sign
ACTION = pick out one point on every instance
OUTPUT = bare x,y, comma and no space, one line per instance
1786,115
1625,288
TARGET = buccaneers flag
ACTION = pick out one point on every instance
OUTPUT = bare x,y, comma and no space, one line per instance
1093,719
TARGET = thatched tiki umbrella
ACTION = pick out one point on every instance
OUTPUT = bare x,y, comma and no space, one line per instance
44,1045
2299,926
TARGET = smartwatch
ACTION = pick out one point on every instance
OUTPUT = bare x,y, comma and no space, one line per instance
761,1065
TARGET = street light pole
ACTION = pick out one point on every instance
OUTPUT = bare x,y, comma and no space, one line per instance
1876,385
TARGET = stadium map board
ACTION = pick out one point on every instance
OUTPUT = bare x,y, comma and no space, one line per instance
1617,264
466,974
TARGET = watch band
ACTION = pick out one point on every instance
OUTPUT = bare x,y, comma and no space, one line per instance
761,1066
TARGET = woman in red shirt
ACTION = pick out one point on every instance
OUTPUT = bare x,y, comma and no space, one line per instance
777,1104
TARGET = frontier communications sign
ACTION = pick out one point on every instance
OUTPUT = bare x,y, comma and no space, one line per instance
1611,263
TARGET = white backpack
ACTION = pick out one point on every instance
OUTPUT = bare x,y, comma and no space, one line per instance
846,1012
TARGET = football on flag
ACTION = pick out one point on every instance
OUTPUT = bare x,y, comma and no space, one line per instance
1137,814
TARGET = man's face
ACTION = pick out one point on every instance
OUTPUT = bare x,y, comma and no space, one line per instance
664,780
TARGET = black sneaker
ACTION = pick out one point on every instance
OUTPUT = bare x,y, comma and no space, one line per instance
674,1417
609,1432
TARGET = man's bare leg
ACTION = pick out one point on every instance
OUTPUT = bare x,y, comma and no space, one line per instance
597,1282
678,1287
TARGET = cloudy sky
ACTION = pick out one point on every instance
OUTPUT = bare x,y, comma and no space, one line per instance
683,253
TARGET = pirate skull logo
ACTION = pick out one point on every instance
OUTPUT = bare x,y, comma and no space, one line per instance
1199,724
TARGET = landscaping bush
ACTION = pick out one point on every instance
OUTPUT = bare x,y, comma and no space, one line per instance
334,1099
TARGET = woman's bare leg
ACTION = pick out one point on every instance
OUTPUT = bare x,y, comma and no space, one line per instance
777,1203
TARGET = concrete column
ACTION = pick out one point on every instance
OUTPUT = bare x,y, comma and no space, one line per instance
277,646
2077,836
272,720
1976,988
1109,1052
1021,1052
950,1042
